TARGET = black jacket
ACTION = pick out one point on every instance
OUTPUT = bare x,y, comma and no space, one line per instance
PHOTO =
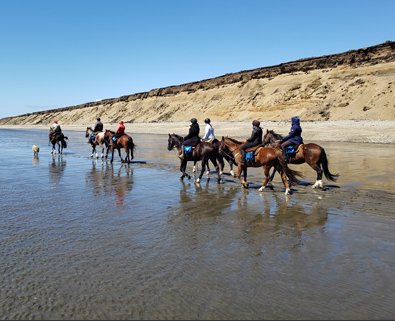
193,131
98,127
256,136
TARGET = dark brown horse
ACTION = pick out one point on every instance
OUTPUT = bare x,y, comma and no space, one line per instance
99,140
57,139
266,157
311,153
225,154
203,152
125,142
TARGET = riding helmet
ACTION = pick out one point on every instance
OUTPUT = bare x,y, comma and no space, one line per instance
55,121
121,122
98,118
295,119
193,120
256,123
207,120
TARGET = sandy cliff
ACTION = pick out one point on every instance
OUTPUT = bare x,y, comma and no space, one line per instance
354,85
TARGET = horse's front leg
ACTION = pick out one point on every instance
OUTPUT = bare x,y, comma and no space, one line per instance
242,169
183,166
194,167
266,172
112,154
93,150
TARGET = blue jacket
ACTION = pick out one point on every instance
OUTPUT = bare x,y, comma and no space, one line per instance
295,135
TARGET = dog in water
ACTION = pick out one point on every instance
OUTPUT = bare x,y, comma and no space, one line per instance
36,149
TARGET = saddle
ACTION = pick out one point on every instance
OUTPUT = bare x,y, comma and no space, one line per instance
292,150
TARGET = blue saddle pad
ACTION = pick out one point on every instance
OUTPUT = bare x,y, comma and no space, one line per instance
187,149
114,139
250,156
93,136
290,150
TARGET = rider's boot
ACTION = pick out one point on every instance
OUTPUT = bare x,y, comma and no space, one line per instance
182,154
243,156
284,154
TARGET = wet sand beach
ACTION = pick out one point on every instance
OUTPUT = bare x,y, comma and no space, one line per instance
86,239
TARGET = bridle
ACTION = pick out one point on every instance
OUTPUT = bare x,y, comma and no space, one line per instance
221,147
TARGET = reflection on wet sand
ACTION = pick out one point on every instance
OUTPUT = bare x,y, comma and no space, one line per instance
35,160
104,180
56,169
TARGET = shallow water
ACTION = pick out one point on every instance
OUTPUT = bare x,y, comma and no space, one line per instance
86,239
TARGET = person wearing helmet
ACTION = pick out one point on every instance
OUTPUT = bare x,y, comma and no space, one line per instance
294,138
192,137
96,129
254,140
208,131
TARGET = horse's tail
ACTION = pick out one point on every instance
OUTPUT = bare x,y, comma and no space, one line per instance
64,142
324,162
283,167
131,147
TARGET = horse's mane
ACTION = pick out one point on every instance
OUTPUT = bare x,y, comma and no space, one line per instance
111,131
180,138
278,136
234,140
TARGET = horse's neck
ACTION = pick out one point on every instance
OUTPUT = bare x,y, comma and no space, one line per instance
233,146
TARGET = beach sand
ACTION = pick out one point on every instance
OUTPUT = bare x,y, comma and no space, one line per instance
355,131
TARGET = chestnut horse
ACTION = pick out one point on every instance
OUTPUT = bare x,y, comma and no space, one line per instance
125,142
97,141
266,157
203,152
57,139
311,153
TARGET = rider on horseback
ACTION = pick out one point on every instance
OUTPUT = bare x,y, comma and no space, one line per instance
97,129
294,137
254,140
208,131
55,129
192,137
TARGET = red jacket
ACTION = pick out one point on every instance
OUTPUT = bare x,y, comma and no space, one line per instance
121,128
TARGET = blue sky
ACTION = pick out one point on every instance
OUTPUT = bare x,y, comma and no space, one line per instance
56,53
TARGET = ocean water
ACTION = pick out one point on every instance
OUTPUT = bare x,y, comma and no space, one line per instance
82,238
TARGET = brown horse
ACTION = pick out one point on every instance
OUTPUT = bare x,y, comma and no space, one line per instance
57,139
203,152
125,142
312,154
97,141
266,157
225,154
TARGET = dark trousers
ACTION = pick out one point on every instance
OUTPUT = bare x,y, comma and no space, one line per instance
244,147
284,147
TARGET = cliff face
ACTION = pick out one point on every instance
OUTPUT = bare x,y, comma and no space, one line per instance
357,84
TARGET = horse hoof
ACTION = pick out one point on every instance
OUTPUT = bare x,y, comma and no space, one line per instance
208,173
261,189
287,191
198,180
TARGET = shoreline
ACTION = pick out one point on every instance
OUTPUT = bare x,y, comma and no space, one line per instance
354,131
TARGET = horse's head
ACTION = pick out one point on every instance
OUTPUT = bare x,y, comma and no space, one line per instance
88,131
271,138
173,141
222,146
